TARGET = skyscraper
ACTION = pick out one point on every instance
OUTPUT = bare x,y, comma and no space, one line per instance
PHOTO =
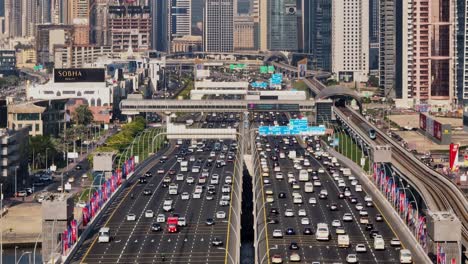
316,25
433,64
159,30
100,32
197,12
278,25
79,16
374,10
244,32
180,20
13,19
218,31
462,54
350,39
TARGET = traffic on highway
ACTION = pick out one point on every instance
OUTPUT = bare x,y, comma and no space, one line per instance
317,211
176,211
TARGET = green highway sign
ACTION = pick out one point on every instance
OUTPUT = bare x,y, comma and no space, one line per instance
237,66
264,69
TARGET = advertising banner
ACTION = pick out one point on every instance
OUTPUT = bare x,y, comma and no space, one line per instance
430,126
453,156
302,68
79,75
422,121
437,133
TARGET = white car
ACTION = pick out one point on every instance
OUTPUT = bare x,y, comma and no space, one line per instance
305,221
359,206
295,257
185,196
289,213
302,212
266,180
220,214
131,217
336,223
161,218
341,183
340,230
149,214
347,193
312,200
368,198
395,242
179,177
347,217
363,213
279,176
277,233
321,170
352,258
361,248
190,180
270,199
354,182
317,183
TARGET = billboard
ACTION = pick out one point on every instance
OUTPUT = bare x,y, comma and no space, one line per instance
79,75
442,133
295,127
302,68
236,66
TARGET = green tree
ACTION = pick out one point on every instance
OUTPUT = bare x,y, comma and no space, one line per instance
40,148
83,116
373,81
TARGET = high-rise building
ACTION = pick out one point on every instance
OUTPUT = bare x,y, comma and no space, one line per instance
130,26
278,25
28,17
100,32
50,36
462,54
180,19
79,16
350,40
434,52
13,20
374,9
244,33
197,12
316,26
218,31
159,30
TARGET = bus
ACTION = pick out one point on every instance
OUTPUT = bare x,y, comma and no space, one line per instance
323,232
303,176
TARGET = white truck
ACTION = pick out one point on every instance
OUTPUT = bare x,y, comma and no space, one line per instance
173,189
379,243
343,241
167,206
184,165
292,154
346,172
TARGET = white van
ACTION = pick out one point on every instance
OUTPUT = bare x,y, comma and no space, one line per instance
358,188
104,236
343,241
308,187
379,243
173,189
405,256
322,233
303,175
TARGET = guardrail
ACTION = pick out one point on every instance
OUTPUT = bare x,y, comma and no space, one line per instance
83,227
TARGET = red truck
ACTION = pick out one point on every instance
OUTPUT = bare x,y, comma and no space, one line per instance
172,224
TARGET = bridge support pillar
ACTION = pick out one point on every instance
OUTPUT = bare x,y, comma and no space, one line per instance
57,212
444,235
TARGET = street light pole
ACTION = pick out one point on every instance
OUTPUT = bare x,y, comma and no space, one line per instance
1,223
46,163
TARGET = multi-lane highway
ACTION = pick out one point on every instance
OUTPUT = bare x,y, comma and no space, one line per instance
278,191
136,242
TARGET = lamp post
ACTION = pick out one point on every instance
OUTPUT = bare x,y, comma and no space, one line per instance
46,163
1,223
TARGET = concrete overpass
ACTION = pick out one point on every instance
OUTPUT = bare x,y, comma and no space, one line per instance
134,107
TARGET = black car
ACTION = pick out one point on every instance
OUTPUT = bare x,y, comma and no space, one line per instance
208,164
293,246
369,204
142,180
353,199
274,211
165,185
307,231
148,174
147,192
282,195
155,227
341,195
333,207
78,167
290,231
322,196
369,227
217,242
209,221
373,233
